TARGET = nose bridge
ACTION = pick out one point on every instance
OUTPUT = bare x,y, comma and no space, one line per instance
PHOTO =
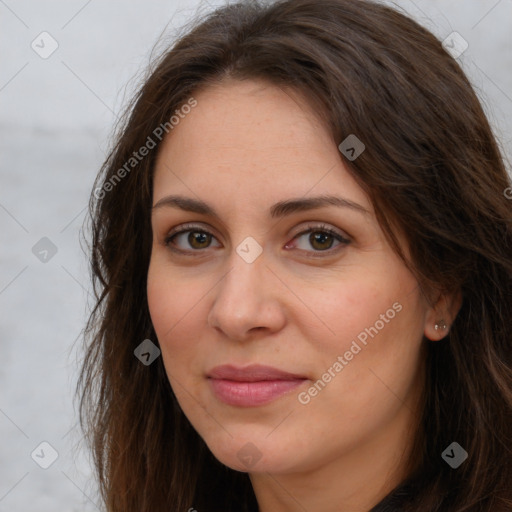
247,267
245,281
244,296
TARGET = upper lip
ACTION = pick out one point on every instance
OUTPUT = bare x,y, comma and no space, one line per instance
252,373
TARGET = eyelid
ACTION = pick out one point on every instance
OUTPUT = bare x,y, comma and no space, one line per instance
343,238
184,228
190,226
321,226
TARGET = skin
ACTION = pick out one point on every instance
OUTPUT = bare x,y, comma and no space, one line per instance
244,147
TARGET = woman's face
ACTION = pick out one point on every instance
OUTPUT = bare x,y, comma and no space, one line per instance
243,272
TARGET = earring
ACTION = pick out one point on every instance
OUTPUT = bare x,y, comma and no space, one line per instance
440,325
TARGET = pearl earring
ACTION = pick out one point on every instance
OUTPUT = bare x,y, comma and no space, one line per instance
440,326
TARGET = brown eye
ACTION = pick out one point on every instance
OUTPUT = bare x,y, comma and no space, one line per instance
190,240
199,239
320,240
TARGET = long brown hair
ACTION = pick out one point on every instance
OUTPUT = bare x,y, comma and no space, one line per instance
431,168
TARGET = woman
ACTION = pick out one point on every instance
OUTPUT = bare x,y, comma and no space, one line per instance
302,243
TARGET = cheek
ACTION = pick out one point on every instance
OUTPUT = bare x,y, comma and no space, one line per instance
173,295
375,324
380,359
348,308
177,308
167,301
384,336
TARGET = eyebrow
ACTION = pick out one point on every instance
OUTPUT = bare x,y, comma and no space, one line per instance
280,209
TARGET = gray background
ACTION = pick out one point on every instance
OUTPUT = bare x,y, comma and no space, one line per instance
56,115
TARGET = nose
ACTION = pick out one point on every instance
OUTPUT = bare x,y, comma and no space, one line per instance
247,301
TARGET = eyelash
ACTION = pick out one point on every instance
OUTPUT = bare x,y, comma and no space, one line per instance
318,228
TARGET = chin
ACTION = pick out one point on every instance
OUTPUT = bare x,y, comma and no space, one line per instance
254,454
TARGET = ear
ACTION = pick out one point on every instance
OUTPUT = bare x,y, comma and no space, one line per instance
440,316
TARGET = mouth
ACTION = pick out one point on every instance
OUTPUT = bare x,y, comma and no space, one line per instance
251,386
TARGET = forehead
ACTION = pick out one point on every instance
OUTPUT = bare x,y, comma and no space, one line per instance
253,141
246,116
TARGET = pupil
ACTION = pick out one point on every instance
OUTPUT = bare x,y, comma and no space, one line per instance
197,238
320,238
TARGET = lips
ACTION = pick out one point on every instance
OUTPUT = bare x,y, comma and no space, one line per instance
251,386
251,373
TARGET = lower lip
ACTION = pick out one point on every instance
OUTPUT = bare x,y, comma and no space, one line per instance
252,394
